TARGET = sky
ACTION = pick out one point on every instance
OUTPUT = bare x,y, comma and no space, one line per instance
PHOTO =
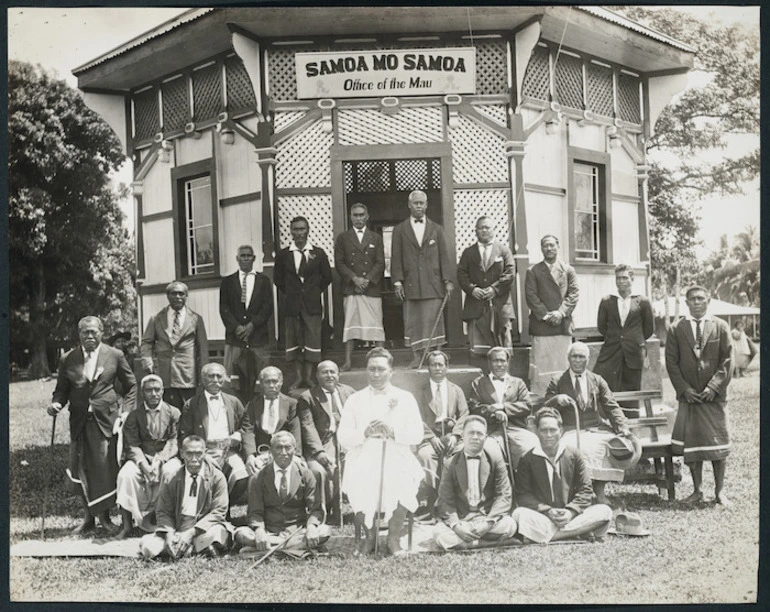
61,39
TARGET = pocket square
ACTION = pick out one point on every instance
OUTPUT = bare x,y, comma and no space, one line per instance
432,241
499,259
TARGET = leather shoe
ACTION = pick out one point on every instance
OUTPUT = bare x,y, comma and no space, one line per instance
694,498
215,550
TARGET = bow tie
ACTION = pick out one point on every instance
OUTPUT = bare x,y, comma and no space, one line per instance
418,220
499,378
469,457
215,398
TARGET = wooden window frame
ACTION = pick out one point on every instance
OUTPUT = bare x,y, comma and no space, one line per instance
602,161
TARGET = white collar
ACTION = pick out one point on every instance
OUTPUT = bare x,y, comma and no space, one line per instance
384,391
424,220
306,248
157,409
505,377
359,231
705,317
442,383
538,450
241,272
95,352
209,396
620,297
574,375
187,474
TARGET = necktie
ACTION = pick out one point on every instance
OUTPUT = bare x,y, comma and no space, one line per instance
154,425
336,408
698,334
439,401
284,490
272,417
579,392
194,485
177,328
486,256
302,264
243,289
556,490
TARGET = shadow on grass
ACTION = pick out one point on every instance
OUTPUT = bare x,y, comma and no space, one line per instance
30,471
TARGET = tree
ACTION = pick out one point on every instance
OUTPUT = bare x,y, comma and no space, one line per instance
699,121
68,250
732,273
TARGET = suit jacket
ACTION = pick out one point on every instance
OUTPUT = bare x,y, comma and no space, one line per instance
195,416
499,276
266,508
137,438
457,409
315,415
179,362
365,259
72,386
600,408
423,270
545,294
213,500
318,276
714,367
253,434
452,504
533,487
258,311
627,341
515,401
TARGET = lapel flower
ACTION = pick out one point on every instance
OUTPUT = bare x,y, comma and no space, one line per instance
98,372
311,255
392,402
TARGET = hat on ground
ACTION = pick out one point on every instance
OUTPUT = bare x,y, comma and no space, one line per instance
624,451
630,524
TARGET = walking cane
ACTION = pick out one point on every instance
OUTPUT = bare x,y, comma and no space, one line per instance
338,478
577,424
507,443
278,547
48,479
379,499
433,330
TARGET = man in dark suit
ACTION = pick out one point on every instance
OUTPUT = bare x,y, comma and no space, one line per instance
625,320
218,418
699,362
485,274
422,272
245,306
552,293
499,396
320,410
443,410
283,499
268,411
191,509
600,417
553,488
359,258
474,498
174,346
302,273
150,434
86,380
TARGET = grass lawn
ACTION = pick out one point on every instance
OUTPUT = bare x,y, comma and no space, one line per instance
702,554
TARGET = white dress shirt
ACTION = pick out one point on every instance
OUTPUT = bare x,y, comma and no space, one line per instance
270,416
190,502
499,386
435,386
170,315
279,476
333,398
693,326
218,427
474,485
550,466
419,229
297,252
624,306
250,278
360,234
485,249
89,362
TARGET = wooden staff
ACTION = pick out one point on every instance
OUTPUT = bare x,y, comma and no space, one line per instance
507,443
433,331
48,478
379,499
279,546
338,477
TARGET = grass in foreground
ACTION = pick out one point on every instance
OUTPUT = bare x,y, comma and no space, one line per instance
692,556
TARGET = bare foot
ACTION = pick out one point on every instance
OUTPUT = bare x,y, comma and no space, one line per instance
723,501
345,367
87,525
106,522
694,498
124,532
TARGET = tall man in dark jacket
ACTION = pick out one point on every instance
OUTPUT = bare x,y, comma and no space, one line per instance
422,273
245,306
302,273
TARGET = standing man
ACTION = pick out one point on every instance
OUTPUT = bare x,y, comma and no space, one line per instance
422,272
552,294
219,419
443,410
625,321
302,274
245,306
699,360
485,274
86,380
360,261
174,346
320,412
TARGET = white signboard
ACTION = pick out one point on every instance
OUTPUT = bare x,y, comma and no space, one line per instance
375,74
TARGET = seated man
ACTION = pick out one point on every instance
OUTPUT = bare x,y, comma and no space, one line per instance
218,418
283,498
600,416
378,426
443,409
150,434
498,396
191,508
474,497
268,411
553,488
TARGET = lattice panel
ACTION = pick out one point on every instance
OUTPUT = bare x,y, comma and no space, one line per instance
281,75
413,174
176,104
371,176
491,67
568,81
495,112
628,98
599,89
207,92
470,204
538,75
409,125
303,159
240,93
478,156
283,120
146,115
317,209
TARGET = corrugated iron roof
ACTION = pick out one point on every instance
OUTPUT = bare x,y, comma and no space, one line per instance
608,15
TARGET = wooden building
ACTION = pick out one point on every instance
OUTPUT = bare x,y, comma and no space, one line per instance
238,119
